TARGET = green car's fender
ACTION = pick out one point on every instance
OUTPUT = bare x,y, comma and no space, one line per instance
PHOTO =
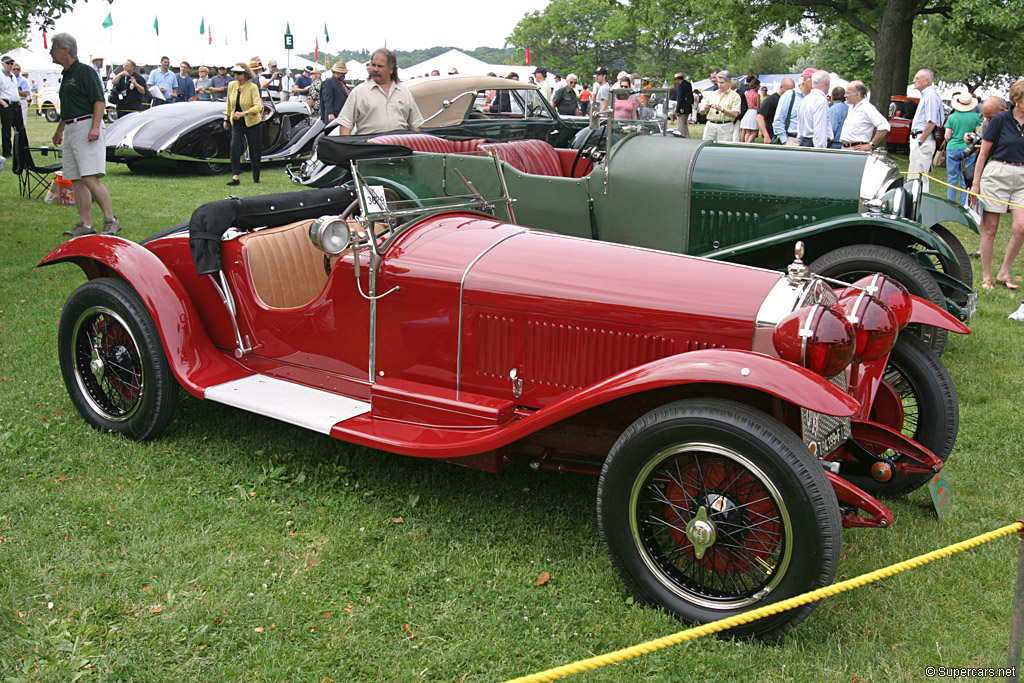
830,233
934,210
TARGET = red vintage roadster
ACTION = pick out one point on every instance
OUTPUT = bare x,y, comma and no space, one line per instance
738,417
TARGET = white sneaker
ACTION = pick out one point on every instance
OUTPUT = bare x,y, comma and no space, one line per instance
1018,314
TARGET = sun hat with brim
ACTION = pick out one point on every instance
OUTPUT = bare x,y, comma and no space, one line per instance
964,102
339,68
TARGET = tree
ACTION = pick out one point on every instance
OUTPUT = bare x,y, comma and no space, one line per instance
978,51
670,36
572,35
41,12
12,37
888,24
770,58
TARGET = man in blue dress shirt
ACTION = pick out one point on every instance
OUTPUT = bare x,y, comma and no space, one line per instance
930,116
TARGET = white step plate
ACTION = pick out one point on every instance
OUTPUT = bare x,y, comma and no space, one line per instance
293,403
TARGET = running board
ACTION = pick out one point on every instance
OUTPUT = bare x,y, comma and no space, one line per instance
286,401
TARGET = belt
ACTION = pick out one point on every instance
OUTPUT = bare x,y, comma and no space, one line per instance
710,121
80,118
854,144
1009,163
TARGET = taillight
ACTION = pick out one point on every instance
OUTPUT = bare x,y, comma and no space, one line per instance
891,293
874,325
817,337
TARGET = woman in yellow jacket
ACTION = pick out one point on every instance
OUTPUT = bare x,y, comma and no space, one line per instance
244,117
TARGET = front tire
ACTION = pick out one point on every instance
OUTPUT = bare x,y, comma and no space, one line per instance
113,362
853,262
918,398
51,114
709,508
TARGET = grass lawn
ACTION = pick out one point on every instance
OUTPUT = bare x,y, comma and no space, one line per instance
237,548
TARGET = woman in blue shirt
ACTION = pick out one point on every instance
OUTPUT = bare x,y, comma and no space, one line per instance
999,178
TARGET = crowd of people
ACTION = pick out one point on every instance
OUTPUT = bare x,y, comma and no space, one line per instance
983,142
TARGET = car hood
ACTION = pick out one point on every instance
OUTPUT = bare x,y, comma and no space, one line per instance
512,268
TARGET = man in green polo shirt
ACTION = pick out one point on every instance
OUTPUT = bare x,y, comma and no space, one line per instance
81,129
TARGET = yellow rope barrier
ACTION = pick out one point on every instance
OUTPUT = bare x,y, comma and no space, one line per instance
960,189
761,612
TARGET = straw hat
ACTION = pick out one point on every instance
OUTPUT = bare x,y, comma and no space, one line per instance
964,101
339,68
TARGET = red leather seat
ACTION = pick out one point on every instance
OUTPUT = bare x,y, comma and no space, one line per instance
529,156
421,142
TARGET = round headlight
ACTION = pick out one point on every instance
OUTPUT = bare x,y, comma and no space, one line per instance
817,337
874,326
330,234
890,292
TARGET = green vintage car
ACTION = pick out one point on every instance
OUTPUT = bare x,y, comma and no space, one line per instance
743,203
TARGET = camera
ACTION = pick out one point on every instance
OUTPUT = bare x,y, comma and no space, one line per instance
972,140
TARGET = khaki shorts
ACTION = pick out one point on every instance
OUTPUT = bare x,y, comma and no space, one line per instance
81,157
1004,182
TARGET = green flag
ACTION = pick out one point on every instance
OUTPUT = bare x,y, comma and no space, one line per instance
109,21
327,36
156,24
202,27
246,30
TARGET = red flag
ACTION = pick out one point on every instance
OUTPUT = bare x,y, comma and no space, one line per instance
316,52
209,34
527,56
44,41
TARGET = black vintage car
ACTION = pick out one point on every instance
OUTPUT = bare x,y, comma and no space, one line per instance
192,133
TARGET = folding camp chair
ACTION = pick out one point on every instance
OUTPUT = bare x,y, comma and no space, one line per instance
33,180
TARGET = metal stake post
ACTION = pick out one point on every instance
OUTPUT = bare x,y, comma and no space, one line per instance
1013,662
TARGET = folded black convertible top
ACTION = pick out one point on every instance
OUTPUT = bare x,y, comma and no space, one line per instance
342,149
211,220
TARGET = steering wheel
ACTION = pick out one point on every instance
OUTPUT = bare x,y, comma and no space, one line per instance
535,110
592,153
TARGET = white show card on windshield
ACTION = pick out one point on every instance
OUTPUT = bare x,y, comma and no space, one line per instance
374,199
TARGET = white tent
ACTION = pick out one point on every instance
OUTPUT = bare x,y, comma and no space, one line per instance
456,59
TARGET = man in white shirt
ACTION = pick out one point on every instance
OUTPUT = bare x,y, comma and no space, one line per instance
382,103
929,116
865,127
10,104
814,126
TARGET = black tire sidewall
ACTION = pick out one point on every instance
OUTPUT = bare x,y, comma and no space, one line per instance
802,484
160,391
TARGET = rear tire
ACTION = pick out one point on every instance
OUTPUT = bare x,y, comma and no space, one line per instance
852,262
709,508
113,362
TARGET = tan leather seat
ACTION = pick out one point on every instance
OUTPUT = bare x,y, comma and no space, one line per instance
287,271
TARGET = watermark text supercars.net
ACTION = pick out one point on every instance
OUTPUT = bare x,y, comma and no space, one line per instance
969,672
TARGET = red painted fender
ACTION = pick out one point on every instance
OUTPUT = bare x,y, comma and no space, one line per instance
929,314
195,361
767,374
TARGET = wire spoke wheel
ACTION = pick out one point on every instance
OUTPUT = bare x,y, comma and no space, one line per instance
709,508
108,366
113,362
712,525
